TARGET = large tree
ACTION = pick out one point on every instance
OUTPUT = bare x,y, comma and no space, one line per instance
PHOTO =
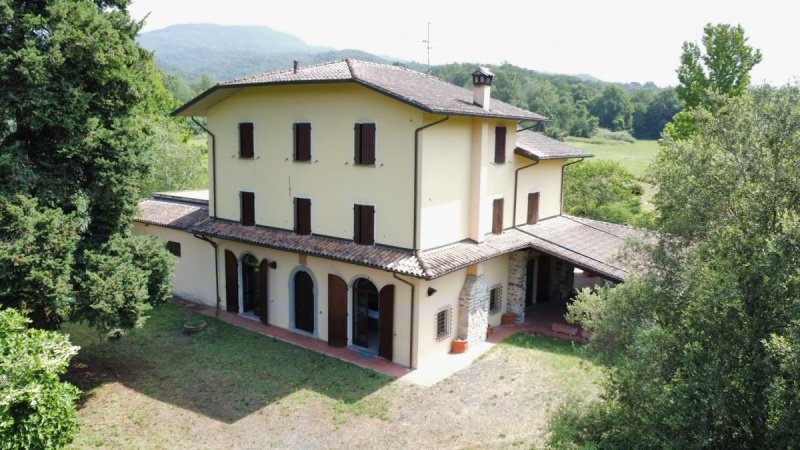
613,108
77,99
721,67
708,332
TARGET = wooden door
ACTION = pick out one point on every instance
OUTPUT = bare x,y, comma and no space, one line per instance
386,322
360,317
231,282
303,302
543,279
337,311
262,297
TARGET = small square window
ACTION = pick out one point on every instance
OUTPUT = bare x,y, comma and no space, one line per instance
444,319
496,299
174,248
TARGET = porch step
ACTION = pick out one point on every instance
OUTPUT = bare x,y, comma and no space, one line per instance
569,330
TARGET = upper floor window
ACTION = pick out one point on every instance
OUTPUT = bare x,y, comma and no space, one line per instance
365,144
302,142
302,216
497,216
364,224
248,210
533,207
246,140
500,145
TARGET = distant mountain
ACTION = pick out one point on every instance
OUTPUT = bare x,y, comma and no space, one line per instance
226,52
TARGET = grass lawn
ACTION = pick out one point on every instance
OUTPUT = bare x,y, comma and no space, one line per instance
635,157
227,387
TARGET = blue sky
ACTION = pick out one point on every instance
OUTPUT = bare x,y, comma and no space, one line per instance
612,40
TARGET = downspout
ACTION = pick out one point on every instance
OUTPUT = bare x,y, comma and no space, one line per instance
516,194
561,202
411,334
216,265
213,167
416,175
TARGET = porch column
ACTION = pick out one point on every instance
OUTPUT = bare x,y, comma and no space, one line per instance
517,277
563,279
473,310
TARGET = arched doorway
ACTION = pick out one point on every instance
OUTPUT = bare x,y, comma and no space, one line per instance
365,314
250,272
304,302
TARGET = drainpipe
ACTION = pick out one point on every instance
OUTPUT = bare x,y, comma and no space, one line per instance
213,164
516,194
411,334
561,202
216,265
416,174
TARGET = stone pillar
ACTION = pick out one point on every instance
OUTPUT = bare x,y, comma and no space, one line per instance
563,279
473,310
517,277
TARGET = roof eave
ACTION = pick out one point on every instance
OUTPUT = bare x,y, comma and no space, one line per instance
525,153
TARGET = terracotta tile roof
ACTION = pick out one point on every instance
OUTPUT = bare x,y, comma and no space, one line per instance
537,146
420,90
587,244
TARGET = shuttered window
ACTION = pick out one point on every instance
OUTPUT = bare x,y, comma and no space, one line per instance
302,142
497,216
500,145
364,144
248,214
302,216
245,140
364,224
533,207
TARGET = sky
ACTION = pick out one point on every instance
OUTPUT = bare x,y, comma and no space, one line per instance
613,40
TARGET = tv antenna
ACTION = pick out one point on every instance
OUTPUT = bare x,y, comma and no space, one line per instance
427,43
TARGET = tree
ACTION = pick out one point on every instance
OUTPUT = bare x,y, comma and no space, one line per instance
650,120
601,190
37,409
707,332
724,67
613,108
77,97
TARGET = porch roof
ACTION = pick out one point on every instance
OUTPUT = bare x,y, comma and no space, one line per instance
587,244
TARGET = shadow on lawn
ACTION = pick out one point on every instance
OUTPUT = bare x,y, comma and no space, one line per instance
222,372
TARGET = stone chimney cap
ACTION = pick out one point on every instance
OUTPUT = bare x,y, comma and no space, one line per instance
483,71
482,77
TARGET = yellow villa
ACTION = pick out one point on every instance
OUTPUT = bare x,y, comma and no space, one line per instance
376,207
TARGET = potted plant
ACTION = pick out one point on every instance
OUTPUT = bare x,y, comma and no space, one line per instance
459,345
193,326
509,319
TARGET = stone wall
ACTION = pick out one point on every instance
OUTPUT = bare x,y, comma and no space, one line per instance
517,277
473,310
563,280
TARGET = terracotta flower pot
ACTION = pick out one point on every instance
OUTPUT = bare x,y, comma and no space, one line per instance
509,319
489,331
460,345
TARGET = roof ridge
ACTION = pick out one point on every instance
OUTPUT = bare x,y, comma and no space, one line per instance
284,71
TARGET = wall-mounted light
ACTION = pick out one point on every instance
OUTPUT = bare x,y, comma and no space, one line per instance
431,291
273,265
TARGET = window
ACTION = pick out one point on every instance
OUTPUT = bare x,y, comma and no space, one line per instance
500,145
245,140
364,224
444,319
302,216
497,216
248,215
533,207
174,248
496,299
302,142
365,144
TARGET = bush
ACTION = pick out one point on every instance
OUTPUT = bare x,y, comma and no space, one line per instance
37,410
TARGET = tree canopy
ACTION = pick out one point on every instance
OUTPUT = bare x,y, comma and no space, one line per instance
78,98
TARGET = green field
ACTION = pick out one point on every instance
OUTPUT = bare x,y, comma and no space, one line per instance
635,157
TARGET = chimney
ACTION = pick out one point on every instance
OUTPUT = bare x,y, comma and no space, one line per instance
482,80
296,66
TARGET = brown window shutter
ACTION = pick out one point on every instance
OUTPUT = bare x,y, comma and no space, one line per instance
246,140
533,207
357,140
500,145
302,218
497,216
302,142
357,224
367,224
248,215
368,143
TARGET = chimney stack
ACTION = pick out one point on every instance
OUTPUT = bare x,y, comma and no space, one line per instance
482,80
296,66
